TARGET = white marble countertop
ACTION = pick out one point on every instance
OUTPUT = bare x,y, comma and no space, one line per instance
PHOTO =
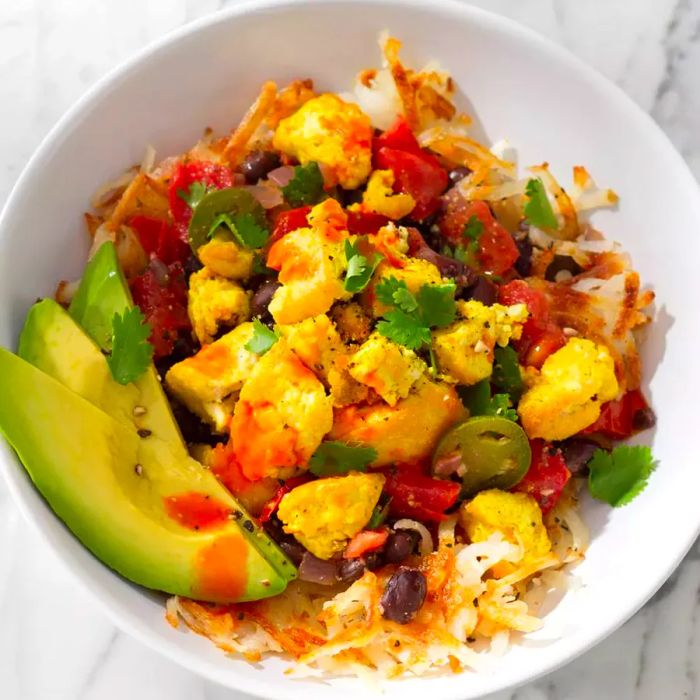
60,646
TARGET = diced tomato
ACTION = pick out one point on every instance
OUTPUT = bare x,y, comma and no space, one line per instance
414,495
365,223
162,298
270,508
289,221
206,172
619,419
541,337
416,171
365,541
159,239
547,476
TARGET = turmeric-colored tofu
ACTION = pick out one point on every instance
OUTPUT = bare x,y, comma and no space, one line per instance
324,514
406,432
353,324
415,273
380,198
227,259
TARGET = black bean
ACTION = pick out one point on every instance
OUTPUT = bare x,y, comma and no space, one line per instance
293,550
576,453
449,267
317,570
523,265
404,595
351,569
374,560
192,265
192,428
483,290
644,419
257,164
262,298
562,263
398,546
348,197
458,174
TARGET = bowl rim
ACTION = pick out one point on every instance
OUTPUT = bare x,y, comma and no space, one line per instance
126,621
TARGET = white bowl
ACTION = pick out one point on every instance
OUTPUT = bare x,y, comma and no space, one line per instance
519,86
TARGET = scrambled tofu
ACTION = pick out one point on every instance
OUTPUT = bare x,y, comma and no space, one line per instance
215,301
567,395
380,198
227,259
516,515
464,350
208,382
324,514
415,273
332,132
392,242
317,343
353,324
281,416
407,432
311,262
390,369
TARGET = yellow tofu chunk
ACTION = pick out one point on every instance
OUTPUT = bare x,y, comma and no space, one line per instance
516,515
215,301
353,324
227,259
281,416
464,350
332,132
380,198
390,369
208,382
415,273
324,514
407,432
567,395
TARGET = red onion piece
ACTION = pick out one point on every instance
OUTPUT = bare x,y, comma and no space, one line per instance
315,570
282,175
329,178
268,195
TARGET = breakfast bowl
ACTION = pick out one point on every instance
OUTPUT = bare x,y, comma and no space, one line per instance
516,86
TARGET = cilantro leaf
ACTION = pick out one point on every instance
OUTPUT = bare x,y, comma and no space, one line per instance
334,458
306,187
243,227
193,195
404,329
437,304
262,339
360,268
386,288
473,229
617,477
500,405
478,400
506,371
131,352
538,210
379,515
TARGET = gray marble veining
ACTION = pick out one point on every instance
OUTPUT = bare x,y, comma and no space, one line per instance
51,51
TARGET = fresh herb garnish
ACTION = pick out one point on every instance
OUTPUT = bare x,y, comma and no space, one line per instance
131,352
500,405
263,338
379,515
193,195
538,210
506,371
478,400
411,316
617,477
360,268
334,458
260,268
306,187
244,229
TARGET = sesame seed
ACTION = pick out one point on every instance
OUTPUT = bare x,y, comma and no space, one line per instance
138,470
139,411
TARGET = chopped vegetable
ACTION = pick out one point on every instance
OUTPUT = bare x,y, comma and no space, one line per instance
159,239
547,476
194,193
414,495
364,542
263,338
506,372
623,417
538,210
619,476
289,221
333,458
306,187
478,400
131,352
379,515
360,268
243,227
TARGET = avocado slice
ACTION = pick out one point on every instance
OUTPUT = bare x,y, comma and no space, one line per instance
109,486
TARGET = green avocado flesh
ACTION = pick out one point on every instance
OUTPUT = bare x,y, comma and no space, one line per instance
76,432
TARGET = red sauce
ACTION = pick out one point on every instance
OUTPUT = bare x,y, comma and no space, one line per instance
222,569
196,511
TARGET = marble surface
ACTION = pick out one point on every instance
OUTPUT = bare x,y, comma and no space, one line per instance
55,644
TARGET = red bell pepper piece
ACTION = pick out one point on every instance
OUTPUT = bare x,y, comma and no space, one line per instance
206,172
541,337
414,495
362,223
289,221
163,300
416,171
365,541
159,239
619,419
547,476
